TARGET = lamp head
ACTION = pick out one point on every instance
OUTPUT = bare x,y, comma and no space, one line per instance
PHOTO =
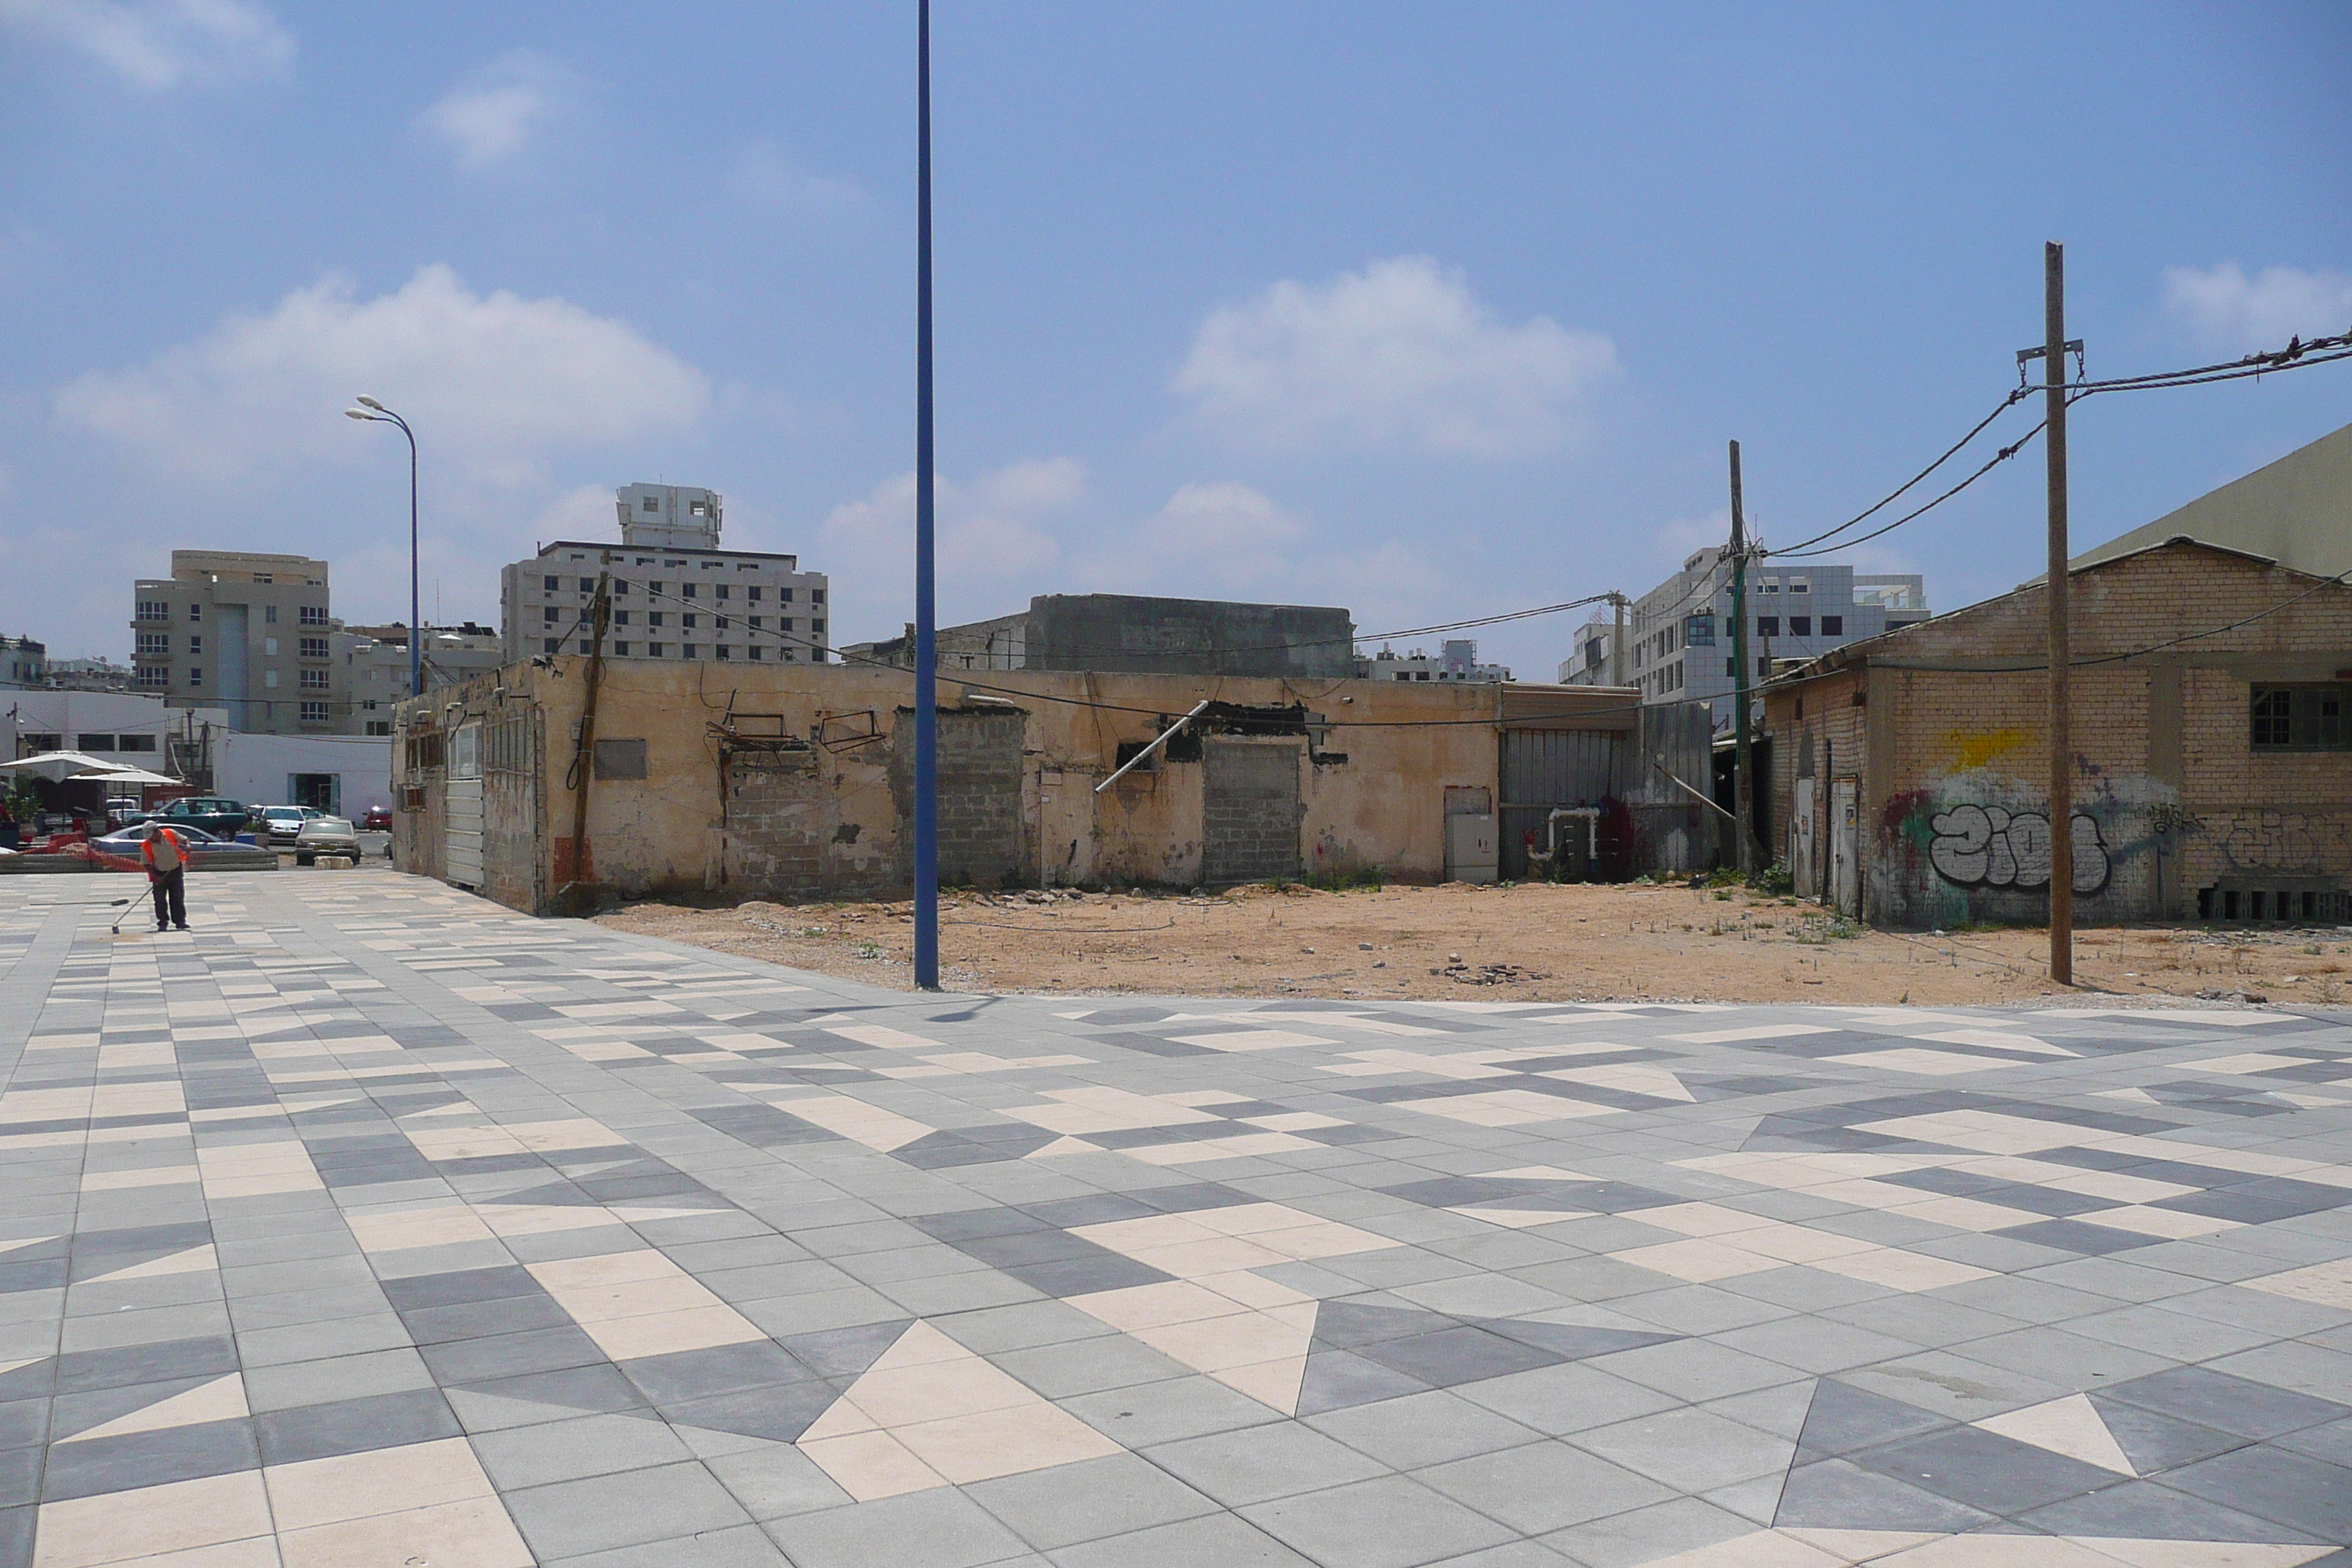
357,414
367,402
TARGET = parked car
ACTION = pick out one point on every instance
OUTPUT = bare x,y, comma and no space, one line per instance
378,819
127,842
283,823
217,815
324,835
124,811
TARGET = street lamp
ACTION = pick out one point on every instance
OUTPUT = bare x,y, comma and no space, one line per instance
383,416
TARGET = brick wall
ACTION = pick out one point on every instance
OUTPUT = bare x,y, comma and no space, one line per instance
1250,809
2169,798
775,822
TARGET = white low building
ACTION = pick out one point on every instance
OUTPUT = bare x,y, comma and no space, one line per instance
112,726
343,775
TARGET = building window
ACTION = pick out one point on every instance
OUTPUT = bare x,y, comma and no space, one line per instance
2301,718
269,679
620,650
816,628
314,648
314,714
656,617
93,743
195,643
784,595
1732,668
726,652
1799,586
1767,625
787,656
620,618
550,614
1698,631
686,590
268,615
657,649
555,645
1800,625
816,596
686,650
1769,586
134,743
314,681
655,589
34,744
666,562
758,654
620,586
785,623
1833,625
157,645
587,584
721,621
153,675
688,620
753,593
722,590
195,675
196,612
378,727
650,504
154,610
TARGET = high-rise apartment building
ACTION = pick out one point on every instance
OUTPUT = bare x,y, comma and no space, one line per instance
375,670
675,594
248,633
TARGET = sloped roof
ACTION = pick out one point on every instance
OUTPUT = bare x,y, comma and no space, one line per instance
2297,512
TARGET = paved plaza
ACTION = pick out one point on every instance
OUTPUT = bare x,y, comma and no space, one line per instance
372,1223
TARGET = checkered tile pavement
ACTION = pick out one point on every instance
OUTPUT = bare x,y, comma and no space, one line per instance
373,1224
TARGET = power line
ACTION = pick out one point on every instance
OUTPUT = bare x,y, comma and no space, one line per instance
2004,455
1892,496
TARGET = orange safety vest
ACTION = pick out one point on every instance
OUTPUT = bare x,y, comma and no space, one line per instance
173,855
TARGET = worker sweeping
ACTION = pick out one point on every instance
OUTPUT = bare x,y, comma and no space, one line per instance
167,874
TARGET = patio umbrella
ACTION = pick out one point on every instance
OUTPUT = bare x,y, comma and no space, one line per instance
61,765
139,777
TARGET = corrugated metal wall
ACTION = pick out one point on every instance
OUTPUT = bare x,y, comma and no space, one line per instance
1547,768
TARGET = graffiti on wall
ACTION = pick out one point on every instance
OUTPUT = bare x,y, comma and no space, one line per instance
1990,846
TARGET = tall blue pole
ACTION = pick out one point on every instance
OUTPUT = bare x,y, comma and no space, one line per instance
926,713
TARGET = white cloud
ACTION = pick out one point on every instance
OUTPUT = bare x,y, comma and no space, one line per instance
490,118
990,534
767,175
1401,355
1218,535
2226,307
492,383
157,44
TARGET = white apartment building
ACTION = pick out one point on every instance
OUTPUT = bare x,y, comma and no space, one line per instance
1456,660
1680,633
675,594
1593,662
375,673
245,632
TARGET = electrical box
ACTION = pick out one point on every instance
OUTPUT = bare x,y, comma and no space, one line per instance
1470,853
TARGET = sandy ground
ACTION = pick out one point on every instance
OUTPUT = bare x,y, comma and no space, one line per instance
1530,942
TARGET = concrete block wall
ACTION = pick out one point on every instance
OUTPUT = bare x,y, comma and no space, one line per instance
980,793
1250,809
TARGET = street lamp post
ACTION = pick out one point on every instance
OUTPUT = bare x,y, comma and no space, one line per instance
376,412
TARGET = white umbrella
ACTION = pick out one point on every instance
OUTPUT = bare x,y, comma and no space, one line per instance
63,765
128,775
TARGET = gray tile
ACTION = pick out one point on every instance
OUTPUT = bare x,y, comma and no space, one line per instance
97,1465
1262,1462
1391,1522
569,1450
570,1518
2294,1489
1086,1502
1691,1450
354,1425
745,1546
1216,1540
938,1528
1421,1429
1543,1486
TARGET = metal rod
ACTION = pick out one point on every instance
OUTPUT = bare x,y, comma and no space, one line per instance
2061,595
1705,800
1145,755
1743,784
927,711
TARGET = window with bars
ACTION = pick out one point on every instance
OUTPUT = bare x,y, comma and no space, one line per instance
314,714
2301,718
154,644
154,610
314,681
314,615
314,648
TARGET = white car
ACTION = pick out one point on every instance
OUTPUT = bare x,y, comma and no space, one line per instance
324,835
284,824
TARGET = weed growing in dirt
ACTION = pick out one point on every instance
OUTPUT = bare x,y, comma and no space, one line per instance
1340,881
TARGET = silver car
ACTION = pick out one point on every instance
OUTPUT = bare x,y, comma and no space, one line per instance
283,823
324,835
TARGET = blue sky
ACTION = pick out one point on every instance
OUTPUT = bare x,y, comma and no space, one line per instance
1432,310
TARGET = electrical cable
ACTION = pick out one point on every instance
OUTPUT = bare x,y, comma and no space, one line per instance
2006,453
1892,496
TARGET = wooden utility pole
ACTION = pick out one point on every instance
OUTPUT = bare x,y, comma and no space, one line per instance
583,751
1617,649
1742,790
2060,588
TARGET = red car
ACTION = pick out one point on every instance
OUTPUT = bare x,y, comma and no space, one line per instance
377,816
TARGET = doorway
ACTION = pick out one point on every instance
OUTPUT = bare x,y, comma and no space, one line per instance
1845,856
321,791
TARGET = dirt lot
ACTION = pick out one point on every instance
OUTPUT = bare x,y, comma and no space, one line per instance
1530,942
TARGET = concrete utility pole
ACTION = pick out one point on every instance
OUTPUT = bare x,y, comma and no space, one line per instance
1617,645
1742,790
2061,601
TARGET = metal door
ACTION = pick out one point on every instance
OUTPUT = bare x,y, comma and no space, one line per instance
1543,770
1845,849
462,840
1802,843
